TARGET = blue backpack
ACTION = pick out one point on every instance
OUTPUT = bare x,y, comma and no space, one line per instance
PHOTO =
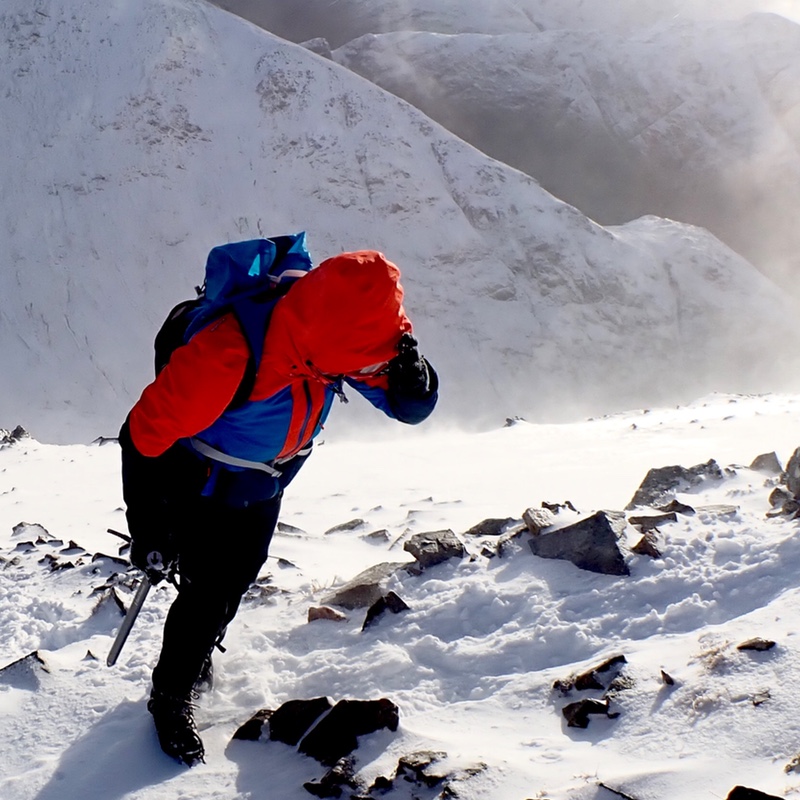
246,278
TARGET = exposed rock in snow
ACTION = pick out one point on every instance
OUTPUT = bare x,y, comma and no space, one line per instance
662,483
591,543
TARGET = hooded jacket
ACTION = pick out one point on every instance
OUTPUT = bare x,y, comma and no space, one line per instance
339,323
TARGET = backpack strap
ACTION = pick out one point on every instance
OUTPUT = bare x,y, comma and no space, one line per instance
253,315
232,461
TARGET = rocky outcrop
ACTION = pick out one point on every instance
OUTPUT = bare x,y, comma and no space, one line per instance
433,548
767,463
26,672
660,485
366,588
591,543
792,475
319,729
743,793
492,527
390,602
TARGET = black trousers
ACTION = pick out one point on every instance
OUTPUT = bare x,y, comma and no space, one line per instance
220,551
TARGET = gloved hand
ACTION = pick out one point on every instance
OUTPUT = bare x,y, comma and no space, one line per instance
157,560
408,370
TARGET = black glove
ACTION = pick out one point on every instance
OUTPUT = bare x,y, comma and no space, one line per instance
157,560
408,370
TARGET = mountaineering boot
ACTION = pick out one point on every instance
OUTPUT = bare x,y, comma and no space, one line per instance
205,680
177,733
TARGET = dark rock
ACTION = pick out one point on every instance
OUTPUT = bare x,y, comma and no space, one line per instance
791,477
779,497
537,519
577,714
252,729
761,697
11,437
31,529
336,734
768,463
590,544
601,676
261,590
660,484
756,644
667,678
503,541
556,507
109,602
789,508
647,546
285,527
330,785
351,525
377,536
325,612
743,793
616,792
25,673
434,547
415,768
494,526
366,588
677,507
54,563
649,522
390,602
127,579
288,723
112,560
381,784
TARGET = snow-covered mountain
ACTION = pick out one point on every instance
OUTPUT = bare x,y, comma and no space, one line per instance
341,21
696,121
682,109
138,136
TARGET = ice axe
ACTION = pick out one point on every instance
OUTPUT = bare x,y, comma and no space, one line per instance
133,611
127,623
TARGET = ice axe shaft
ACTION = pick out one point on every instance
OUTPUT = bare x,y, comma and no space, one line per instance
127,623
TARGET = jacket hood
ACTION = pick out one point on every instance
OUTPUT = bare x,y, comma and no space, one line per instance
343,316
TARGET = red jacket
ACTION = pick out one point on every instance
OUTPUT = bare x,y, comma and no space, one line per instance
345,316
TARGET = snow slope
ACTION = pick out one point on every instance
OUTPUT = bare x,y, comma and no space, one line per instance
138,136
472,663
